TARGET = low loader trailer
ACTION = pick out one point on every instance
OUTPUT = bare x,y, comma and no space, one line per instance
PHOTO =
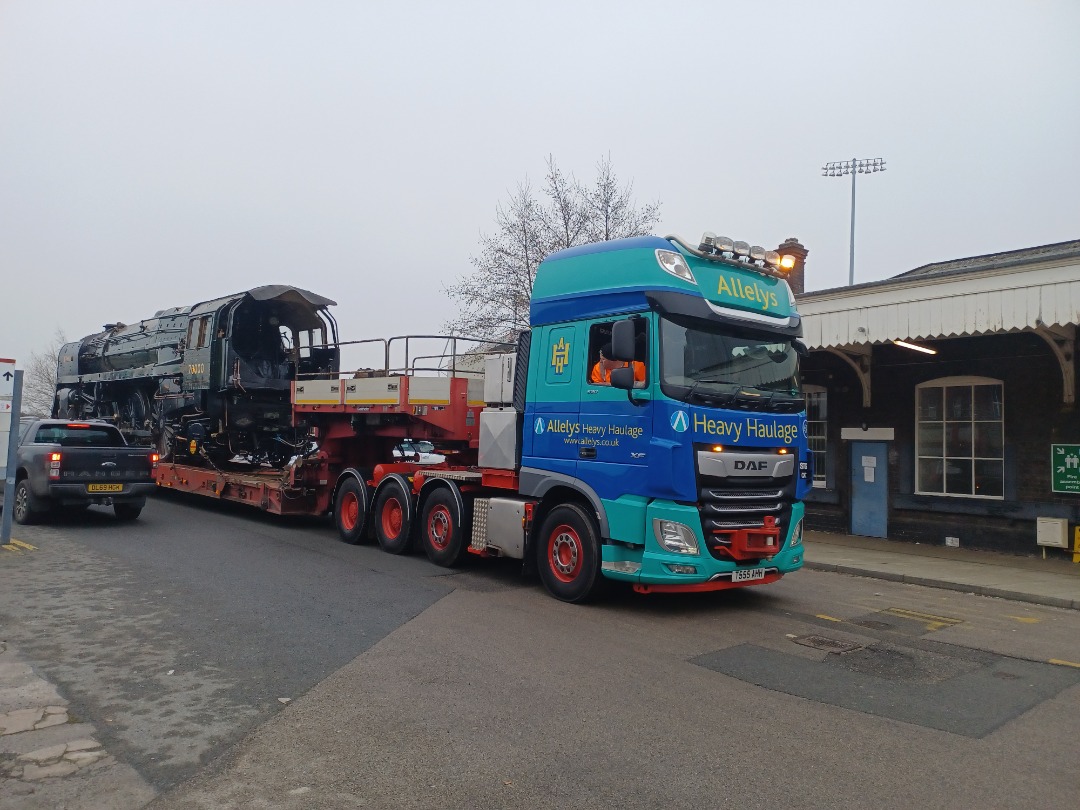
648,428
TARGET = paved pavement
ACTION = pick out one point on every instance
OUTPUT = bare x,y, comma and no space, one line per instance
41,740
1054,581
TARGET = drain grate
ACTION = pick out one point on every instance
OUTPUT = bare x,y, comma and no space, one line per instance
825,644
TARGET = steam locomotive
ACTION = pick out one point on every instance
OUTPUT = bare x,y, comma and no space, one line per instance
210,381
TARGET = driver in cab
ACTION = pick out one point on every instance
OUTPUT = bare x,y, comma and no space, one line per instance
601,371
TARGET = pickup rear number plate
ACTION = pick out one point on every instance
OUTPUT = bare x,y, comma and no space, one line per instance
748,576
104,487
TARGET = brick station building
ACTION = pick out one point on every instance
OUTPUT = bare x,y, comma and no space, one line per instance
951,447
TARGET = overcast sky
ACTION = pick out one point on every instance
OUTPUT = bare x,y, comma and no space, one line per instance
157,154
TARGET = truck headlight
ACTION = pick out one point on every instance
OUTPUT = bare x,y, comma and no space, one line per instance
796,535
675,537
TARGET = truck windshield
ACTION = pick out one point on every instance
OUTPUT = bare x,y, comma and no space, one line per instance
710,363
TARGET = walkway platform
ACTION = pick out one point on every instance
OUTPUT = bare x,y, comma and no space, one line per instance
1054,581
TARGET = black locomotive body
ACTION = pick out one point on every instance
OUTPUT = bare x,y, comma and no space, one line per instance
210,381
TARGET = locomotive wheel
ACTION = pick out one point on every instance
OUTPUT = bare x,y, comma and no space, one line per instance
351,508
393,517
443,530
165,444
568,553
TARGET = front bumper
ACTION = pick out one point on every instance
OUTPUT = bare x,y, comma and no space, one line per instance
651,568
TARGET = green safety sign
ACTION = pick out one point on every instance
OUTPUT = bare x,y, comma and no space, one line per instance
1065,468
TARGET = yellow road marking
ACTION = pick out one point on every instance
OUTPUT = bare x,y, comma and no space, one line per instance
1025,619
829,618
21,544
1061,663
11,547
931,621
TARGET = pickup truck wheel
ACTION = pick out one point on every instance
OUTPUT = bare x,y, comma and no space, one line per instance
351,508
393,517
126,511
443,532
23,511
568,553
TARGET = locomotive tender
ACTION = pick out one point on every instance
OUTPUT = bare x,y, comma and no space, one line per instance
210,381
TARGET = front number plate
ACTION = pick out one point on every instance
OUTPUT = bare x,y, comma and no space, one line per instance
104,487
748,576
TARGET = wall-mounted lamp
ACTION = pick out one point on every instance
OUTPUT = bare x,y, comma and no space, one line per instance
906,345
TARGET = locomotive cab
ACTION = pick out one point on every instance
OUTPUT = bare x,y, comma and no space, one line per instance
209,381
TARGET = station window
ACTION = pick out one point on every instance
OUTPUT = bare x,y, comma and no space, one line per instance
960,437
817,430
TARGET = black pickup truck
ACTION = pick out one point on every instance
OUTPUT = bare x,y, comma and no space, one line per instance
70,465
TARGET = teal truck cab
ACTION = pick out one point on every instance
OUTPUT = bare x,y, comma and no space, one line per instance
663,389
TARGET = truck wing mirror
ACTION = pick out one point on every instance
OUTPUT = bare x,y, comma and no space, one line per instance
622,378
801,348
622,341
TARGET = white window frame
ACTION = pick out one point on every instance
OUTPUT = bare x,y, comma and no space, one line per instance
823,483
943,383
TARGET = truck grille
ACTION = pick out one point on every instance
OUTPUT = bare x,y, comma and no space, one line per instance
727,505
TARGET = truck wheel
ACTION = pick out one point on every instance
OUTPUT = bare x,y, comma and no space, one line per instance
443,532
351,510
393,517
23,511
126,511
568,553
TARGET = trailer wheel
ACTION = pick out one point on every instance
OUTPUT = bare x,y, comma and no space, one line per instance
23,511
351,510
393,517
568,553
443,529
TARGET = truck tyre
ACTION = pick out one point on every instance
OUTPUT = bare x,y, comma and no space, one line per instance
393,517
351,507
568,553
23,511
126,512
443,529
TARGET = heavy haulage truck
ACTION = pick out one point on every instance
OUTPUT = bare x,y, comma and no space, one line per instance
648,428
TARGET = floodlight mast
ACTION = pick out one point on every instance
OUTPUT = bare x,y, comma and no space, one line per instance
853,167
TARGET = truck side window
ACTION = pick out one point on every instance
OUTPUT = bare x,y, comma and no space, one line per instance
601,362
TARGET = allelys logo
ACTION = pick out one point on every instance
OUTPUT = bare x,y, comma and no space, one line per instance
680,422
539,426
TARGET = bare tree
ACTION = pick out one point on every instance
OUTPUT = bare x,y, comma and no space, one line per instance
39,378
494,299
610,209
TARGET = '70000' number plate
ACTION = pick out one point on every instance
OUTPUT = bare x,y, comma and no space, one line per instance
109,488
748,576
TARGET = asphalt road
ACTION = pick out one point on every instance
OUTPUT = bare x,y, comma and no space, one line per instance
410,686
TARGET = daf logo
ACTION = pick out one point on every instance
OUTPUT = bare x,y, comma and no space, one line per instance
539,426
679,421
739,464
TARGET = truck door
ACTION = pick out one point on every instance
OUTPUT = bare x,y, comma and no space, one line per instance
553,407
615,432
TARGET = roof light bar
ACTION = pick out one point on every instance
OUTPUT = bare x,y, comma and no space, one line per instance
721,248
906,345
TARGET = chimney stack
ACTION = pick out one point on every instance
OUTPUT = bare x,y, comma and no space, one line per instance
797,277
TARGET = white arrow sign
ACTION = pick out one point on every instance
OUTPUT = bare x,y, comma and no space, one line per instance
7,378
